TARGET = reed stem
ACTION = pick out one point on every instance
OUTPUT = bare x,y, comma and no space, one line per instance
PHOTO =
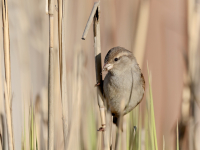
8,103
51,75
95,16
62,62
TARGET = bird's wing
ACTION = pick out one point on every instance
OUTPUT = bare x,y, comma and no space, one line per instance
131,90
136,93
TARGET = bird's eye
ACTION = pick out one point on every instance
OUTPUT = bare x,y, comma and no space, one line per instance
116,59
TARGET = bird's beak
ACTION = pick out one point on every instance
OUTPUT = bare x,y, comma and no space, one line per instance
107,67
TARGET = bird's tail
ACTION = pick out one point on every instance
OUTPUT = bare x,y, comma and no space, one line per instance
118,121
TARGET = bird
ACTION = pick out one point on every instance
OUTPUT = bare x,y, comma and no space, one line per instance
123,85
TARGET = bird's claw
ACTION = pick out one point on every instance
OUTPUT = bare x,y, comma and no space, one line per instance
102,128
97,84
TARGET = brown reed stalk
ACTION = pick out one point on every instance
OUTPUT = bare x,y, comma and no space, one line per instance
51,78
95,16
6,42
62,62
141,32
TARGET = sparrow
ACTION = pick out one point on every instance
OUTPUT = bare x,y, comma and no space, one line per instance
123,85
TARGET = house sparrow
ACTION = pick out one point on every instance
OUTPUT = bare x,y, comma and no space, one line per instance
124,84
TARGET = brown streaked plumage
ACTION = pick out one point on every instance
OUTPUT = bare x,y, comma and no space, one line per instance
124,83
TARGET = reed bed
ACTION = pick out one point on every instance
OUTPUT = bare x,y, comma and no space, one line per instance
59,104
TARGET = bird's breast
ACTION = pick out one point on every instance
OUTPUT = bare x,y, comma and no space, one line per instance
117,91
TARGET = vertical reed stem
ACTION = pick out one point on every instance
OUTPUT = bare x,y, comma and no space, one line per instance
3,132
8,119
63,81
95,15
6,42
51,79
97,49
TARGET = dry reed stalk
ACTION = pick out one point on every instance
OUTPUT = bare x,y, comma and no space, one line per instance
2,128
77,106
51,78
37,118
124,134
75,73
192,72
109,125
191,77
163,142
141,31
60,15
1,89
62,62
2,139
25,70
1,142
2,119
44,118
110,39
6,41
91,18
74,137
6,45
2,132
95,16
8,117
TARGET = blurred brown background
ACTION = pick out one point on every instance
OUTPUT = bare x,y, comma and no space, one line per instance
166,30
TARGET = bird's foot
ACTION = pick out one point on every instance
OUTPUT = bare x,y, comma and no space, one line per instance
97,84
102,128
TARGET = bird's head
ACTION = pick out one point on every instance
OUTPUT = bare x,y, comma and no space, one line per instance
117,60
